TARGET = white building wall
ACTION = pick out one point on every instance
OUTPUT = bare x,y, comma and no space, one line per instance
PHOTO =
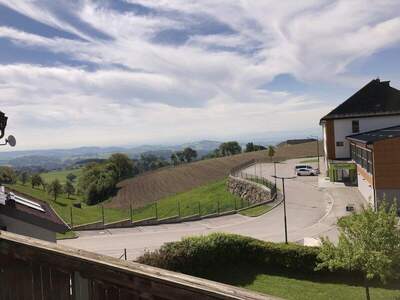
343,128
365,189
27,229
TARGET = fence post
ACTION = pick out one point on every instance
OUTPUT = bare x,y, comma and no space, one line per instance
125,256
199,209
218,208
131,211
156,210
72,220
102,214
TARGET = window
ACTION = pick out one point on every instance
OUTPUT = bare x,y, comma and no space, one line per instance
362,157
339,144
355,125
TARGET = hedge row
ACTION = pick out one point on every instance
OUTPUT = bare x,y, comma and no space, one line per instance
196,255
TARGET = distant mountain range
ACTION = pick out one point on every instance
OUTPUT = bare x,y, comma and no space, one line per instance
57,158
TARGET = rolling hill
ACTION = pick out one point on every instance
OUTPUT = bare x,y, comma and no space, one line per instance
165,182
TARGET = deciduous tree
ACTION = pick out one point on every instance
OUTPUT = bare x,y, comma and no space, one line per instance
36,180
71,177
24,177
271,152
189,154
124,166
369,242
69,188
55,189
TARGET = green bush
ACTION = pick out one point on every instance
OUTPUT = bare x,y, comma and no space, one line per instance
196,255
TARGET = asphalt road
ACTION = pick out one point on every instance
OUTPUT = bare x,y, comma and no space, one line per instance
311,212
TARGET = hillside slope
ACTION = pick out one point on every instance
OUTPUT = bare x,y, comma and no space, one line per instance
159,184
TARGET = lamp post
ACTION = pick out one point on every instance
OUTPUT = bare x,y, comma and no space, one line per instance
284,202
10,140
275,162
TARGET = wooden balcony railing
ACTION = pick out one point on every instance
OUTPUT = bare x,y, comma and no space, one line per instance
35,269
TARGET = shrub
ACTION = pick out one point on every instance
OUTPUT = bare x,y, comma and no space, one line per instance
196,255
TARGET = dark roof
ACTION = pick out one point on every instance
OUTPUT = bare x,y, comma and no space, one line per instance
375,98
47,219
370,137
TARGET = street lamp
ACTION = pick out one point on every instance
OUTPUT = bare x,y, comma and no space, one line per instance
3,124
284,202
275,162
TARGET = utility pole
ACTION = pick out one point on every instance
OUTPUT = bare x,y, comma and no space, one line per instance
275,162
284,203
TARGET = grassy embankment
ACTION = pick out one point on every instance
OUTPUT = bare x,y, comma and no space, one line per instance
208,198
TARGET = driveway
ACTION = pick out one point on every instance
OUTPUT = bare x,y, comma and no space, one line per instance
311,212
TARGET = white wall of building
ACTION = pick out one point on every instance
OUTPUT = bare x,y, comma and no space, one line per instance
27,229
365,189
343,128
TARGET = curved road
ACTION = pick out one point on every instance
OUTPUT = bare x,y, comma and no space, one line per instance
311,212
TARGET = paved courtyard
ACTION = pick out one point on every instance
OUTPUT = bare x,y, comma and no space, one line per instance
312,212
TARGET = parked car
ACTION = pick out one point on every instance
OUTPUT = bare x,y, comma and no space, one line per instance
297,167
306,172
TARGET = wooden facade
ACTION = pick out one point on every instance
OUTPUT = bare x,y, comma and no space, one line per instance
387,163
330,139
35,269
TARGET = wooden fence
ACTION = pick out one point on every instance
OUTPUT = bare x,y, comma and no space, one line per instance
34,269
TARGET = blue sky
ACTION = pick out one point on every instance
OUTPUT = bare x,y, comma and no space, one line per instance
124,72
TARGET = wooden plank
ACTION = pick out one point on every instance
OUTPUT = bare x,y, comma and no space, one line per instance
145,282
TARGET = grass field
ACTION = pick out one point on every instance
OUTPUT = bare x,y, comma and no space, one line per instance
62,206
299,288
205,200
60,175
202,200
166,182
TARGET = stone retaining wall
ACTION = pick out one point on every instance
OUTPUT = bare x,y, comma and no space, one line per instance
248,190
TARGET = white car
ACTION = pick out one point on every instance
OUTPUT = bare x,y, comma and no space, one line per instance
306,172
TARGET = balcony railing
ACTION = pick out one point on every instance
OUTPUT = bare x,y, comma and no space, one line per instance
35,269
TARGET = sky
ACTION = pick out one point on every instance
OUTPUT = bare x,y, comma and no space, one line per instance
129,72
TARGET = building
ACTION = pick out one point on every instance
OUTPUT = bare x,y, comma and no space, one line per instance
354,135
377,156
28,217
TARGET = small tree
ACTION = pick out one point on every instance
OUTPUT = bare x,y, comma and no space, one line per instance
271,152
249,147
36,180
55,189
189,154
69,188
24,177
369,242
71,177
174,159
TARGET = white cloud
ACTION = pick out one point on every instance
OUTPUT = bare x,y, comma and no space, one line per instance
143,91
